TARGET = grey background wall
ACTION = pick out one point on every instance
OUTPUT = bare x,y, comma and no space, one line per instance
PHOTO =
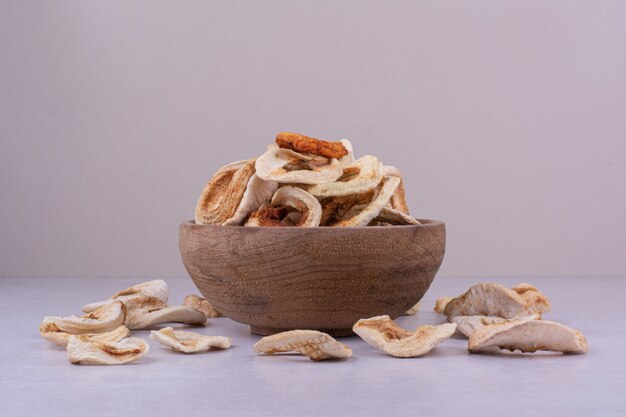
507,119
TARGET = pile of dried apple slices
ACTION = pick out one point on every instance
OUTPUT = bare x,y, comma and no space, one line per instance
305,182
101,336
491,315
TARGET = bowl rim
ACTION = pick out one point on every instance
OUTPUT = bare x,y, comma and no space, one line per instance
424,223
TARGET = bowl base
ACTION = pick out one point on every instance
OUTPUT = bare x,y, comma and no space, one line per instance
266,331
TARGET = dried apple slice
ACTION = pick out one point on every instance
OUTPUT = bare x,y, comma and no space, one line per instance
156,289
289,167
52,333
189,342
467,325
103,319
392,216
290,206
306,204
258,191
146,318
86,352
222,195
528,335
316,345
384,334
304,144
489,299
335,209
201,304
368,213
362,175
398,199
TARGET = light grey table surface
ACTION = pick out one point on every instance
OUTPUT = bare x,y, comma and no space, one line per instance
37,380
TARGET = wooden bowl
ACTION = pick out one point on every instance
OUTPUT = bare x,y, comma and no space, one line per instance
324,278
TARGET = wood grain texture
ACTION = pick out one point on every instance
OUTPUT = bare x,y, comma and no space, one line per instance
326,279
